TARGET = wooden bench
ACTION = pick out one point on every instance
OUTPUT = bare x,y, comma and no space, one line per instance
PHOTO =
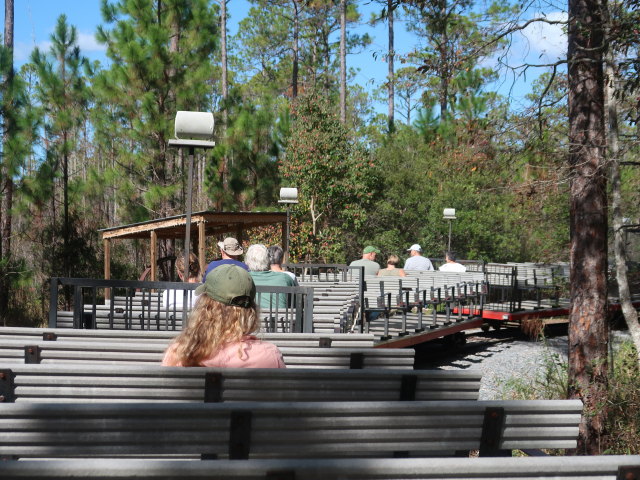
603,467
241,430
146,352
152,383
337,340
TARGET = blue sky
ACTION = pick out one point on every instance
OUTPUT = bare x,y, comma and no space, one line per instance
35,20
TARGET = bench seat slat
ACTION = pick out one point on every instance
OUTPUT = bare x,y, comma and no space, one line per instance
556,468
39,382
286,428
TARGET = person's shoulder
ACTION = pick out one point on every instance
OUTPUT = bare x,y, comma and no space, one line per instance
265,354
241,264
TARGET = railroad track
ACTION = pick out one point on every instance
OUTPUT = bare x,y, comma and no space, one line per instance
459,347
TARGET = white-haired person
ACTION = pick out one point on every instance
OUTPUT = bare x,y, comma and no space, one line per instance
221,327
257,259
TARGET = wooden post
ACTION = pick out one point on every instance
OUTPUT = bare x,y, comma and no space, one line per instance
153,255
106,243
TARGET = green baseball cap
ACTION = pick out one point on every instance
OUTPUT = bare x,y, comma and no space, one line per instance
370,249
230,285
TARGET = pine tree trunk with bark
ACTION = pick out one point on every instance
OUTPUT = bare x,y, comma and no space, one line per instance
588,332
6,174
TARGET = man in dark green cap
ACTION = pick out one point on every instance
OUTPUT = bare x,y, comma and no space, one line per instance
368,261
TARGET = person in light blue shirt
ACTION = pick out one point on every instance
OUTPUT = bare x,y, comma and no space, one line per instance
416,261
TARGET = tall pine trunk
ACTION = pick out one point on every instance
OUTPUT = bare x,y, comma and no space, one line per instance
588,333
223,167
343,61
619,245
6,173
296,35
390,59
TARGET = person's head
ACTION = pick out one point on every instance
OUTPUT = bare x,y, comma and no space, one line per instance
224,312
370,252
276,254
257,258
393,260
450,256
230,248
194,267
414,250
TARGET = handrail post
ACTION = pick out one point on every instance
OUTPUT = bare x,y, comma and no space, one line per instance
308,311
53,303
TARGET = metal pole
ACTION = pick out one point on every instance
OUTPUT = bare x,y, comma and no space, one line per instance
286,251
187,233
449,245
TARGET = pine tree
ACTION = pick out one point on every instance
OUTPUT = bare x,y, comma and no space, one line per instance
62,94
160,56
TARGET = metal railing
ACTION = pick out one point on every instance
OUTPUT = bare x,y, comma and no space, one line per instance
163,305
336,273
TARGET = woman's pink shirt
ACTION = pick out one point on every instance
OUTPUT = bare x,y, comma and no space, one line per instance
247,353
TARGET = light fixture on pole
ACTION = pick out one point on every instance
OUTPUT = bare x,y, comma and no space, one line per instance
192,130
449,214
288,196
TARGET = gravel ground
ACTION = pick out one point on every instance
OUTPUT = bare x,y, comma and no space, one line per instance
499,362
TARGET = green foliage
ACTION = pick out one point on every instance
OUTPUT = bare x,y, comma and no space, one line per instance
455,36
623,398
623,422
421,178
334,175
160,62
250,149
551,381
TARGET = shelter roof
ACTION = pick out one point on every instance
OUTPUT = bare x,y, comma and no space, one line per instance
215,223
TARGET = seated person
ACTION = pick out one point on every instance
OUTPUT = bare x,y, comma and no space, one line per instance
230,253
368,261
416,261
276,255
220,327
174,298
392,270
257,259
450,264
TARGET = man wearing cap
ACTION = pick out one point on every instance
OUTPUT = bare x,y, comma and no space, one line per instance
230,251
416,261
368,261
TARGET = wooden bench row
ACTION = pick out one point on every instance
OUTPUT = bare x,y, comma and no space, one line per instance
610,467
19,351
135,336
243,430
152,383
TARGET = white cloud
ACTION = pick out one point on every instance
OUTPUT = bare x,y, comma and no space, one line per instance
547,41
88,43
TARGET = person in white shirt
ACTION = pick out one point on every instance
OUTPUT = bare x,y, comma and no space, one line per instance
451,265
416,261
174,298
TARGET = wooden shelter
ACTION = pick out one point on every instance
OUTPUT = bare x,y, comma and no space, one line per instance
203,224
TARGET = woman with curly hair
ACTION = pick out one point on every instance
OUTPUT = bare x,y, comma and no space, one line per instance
220,328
